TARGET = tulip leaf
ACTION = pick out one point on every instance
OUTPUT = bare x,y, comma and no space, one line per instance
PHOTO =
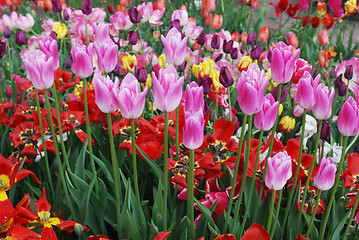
80,163
154,166
339,227
103,168
86,197
208,214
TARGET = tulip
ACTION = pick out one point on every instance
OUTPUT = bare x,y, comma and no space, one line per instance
106,92
256,52
193,130
56,5
307,88
20,38
181,16
348,119
323,38
225,77
68,62
121,21
216,21
234,53
141,74
301,66
134,15
201,38
292,39
82,62
129,62
244,37
209,5
174,47
130,100
286,124
251,38
7,32
326,131
132,37
39,69
263,34
322,108
265,118
251,86
216,41
350,6
282,62
48,46
65,15
194,98
59,29
106,56
348,74
279,170
25,23
227,46
2,48
86,7
325,177
167,89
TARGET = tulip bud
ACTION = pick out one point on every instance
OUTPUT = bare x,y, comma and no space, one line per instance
244,37
141,74
348,74
182,67
286,124
78,229
325,177
251,38
53,34
218,58
65,15
7,32
342,90
206,84
338,81
86,7
283,95
205,107
201,38
135,16
323,38
56,5
256,52
332,73
243,49
68,62
2,48
175,24
326,131
279,170
20,38
234,53
215,41
116,71
263,34
348,119
225,77
269,55
132,37
227,46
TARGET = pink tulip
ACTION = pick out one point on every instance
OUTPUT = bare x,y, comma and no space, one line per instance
325,177
279,170
265,118
181,16
193,130
121,21
106,92
307,89
130,100
82,63
39,69
341,69
148,14
348,119
282,62
251,86
167,89
106,56
322,108
300,67
174,47
192,31
102,34
194,98
48,46
10,21
25,23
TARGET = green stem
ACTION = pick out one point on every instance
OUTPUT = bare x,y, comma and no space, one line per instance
216,105
276,213
190,190
165,173
63,148
177,134
313,214
88,131
43,143
61,171
253,181
291,193
235,174
270,213
134,162
229,102
115,173
351,216
333,191
310,173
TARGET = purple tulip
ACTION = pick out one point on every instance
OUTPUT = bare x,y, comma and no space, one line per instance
174,47
82,62
225,77
194,98
132,37
283,62
279,170
216,41
201,38
167,89
56,5
193,130
251,86
251,38
106,92
256,52
48,46
86,7
134,15
326,131
265,118
325,177
234,53
227,46
7,32
130,100
307,88
20,38
348,119
141,74
65,15
68,62
2,48
322,108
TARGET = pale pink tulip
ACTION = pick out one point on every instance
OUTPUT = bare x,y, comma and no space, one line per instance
307,89
174,47
279,170
322,108
348,119
325,177
193,130
121,21
194,98
265,118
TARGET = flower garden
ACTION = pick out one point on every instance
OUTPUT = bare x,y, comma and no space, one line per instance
178,120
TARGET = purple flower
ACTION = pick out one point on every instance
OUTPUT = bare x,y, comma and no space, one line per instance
86,7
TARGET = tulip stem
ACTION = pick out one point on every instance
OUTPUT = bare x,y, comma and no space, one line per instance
88,131
270,213
351,216
61,171
276,213
177,134
165,173
299,160
235,174
313,213
229,102
43,144
333,191
134,163
115,172
253,181
190,194
310,173
216,104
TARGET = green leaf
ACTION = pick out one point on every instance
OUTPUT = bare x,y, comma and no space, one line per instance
86,198
208,214
339,227
154,166
103,168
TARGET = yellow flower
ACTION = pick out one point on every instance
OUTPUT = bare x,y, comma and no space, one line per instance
60,29
350,6
204,69
129,63
215,80
244,63
286,124
78,87
196,69
271,85
162,61
148,82
280,109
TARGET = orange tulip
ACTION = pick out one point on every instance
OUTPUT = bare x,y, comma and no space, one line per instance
323,60
323,38
235,36
204,13
216,21
263,34
125,3
209,5
244,37
159,4
292,39
321,8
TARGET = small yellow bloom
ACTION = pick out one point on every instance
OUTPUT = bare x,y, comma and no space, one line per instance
60,29
204,69
214,75
78,87
196,69
280,109
350,6
129,63
244,63
148,82
286,124
162,61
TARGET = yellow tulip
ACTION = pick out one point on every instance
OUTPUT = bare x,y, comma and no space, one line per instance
286,124
129,63
60,29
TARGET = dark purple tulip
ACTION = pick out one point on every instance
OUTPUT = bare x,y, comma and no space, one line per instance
269,55
234,53
338,81
2,48
256,52
251,38
243,48
53,35
227,46
116,71
282,97
20,38
135,16
175,24
206,84
225,77
182,66
205,107
348,74
326,131
342,90
201,38
68,62
86,7
7,32
332,73
218,57
56,5
132,37
65,15
216,40
141,74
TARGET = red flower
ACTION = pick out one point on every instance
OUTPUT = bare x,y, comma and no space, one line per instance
280,7
312,194
351,174
62,80
23,137
256,231
3,112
